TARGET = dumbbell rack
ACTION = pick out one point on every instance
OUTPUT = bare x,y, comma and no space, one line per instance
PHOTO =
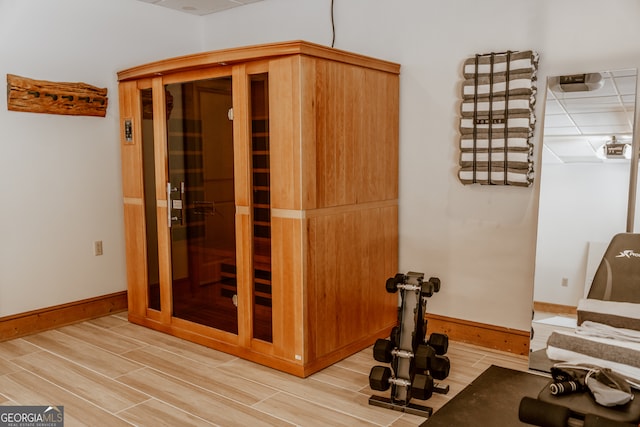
411,358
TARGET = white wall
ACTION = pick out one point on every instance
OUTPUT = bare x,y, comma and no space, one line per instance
479,240
60,185
579,204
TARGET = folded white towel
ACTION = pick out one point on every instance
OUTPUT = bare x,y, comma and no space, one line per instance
521,177
468,157
519,140
519,62
519,84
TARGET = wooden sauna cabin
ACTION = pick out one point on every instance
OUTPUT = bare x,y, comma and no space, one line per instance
261,200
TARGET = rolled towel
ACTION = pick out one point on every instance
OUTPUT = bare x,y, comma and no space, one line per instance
516,140
522,122
518,104
519,62
519,177
515,159
520,83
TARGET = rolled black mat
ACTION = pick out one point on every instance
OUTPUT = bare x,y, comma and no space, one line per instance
490,400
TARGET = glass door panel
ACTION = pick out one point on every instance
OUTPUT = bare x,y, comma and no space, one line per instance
151,221
262,311
202,203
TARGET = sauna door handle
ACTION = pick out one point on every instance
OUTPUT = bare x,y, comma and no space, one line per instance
175,204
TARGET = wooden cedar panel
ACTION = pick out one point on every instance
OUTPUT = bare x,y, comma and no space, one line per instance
387,128
289,298
164,236
160,140
135,250
335,150
285,129
356,134
376,137
308,132
244,276
131,153
349,257
241,136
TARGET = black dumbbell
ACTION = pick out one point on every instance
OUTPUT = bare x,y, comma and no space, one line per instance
439,342
426,358
379,378
422,386
382,350
423,355
430,287
426,289
393,282
439,367
436,283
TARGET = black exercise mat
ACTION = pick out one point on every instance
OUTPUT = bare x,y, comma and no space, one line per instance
490,400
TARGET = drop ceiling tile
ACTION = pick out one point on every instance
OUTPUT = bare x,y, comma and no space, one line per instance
606,130
594,104
605,118
558,120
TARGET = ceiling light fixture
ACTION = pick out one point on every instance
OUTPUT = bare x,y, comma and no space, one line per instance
614,150
576,82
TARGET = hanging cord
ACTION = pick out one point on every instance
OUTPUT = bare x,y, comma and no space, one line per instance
333,27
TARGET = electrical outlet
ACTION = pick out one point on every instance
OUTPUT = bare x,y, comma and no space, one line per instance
565,282
97,247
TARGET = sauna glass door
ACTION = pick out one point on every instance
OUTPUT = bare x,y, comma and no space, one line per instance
201,203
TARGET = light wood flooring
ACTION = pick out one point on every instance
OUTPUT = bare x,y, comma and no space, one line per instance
109,372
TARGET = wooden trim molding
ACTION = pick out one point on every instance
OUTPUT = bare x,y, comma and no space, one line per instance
490,336
22,324
548,307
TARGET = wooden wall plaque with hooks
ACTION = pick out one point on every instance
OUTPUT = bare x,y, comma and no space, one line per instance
40,96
